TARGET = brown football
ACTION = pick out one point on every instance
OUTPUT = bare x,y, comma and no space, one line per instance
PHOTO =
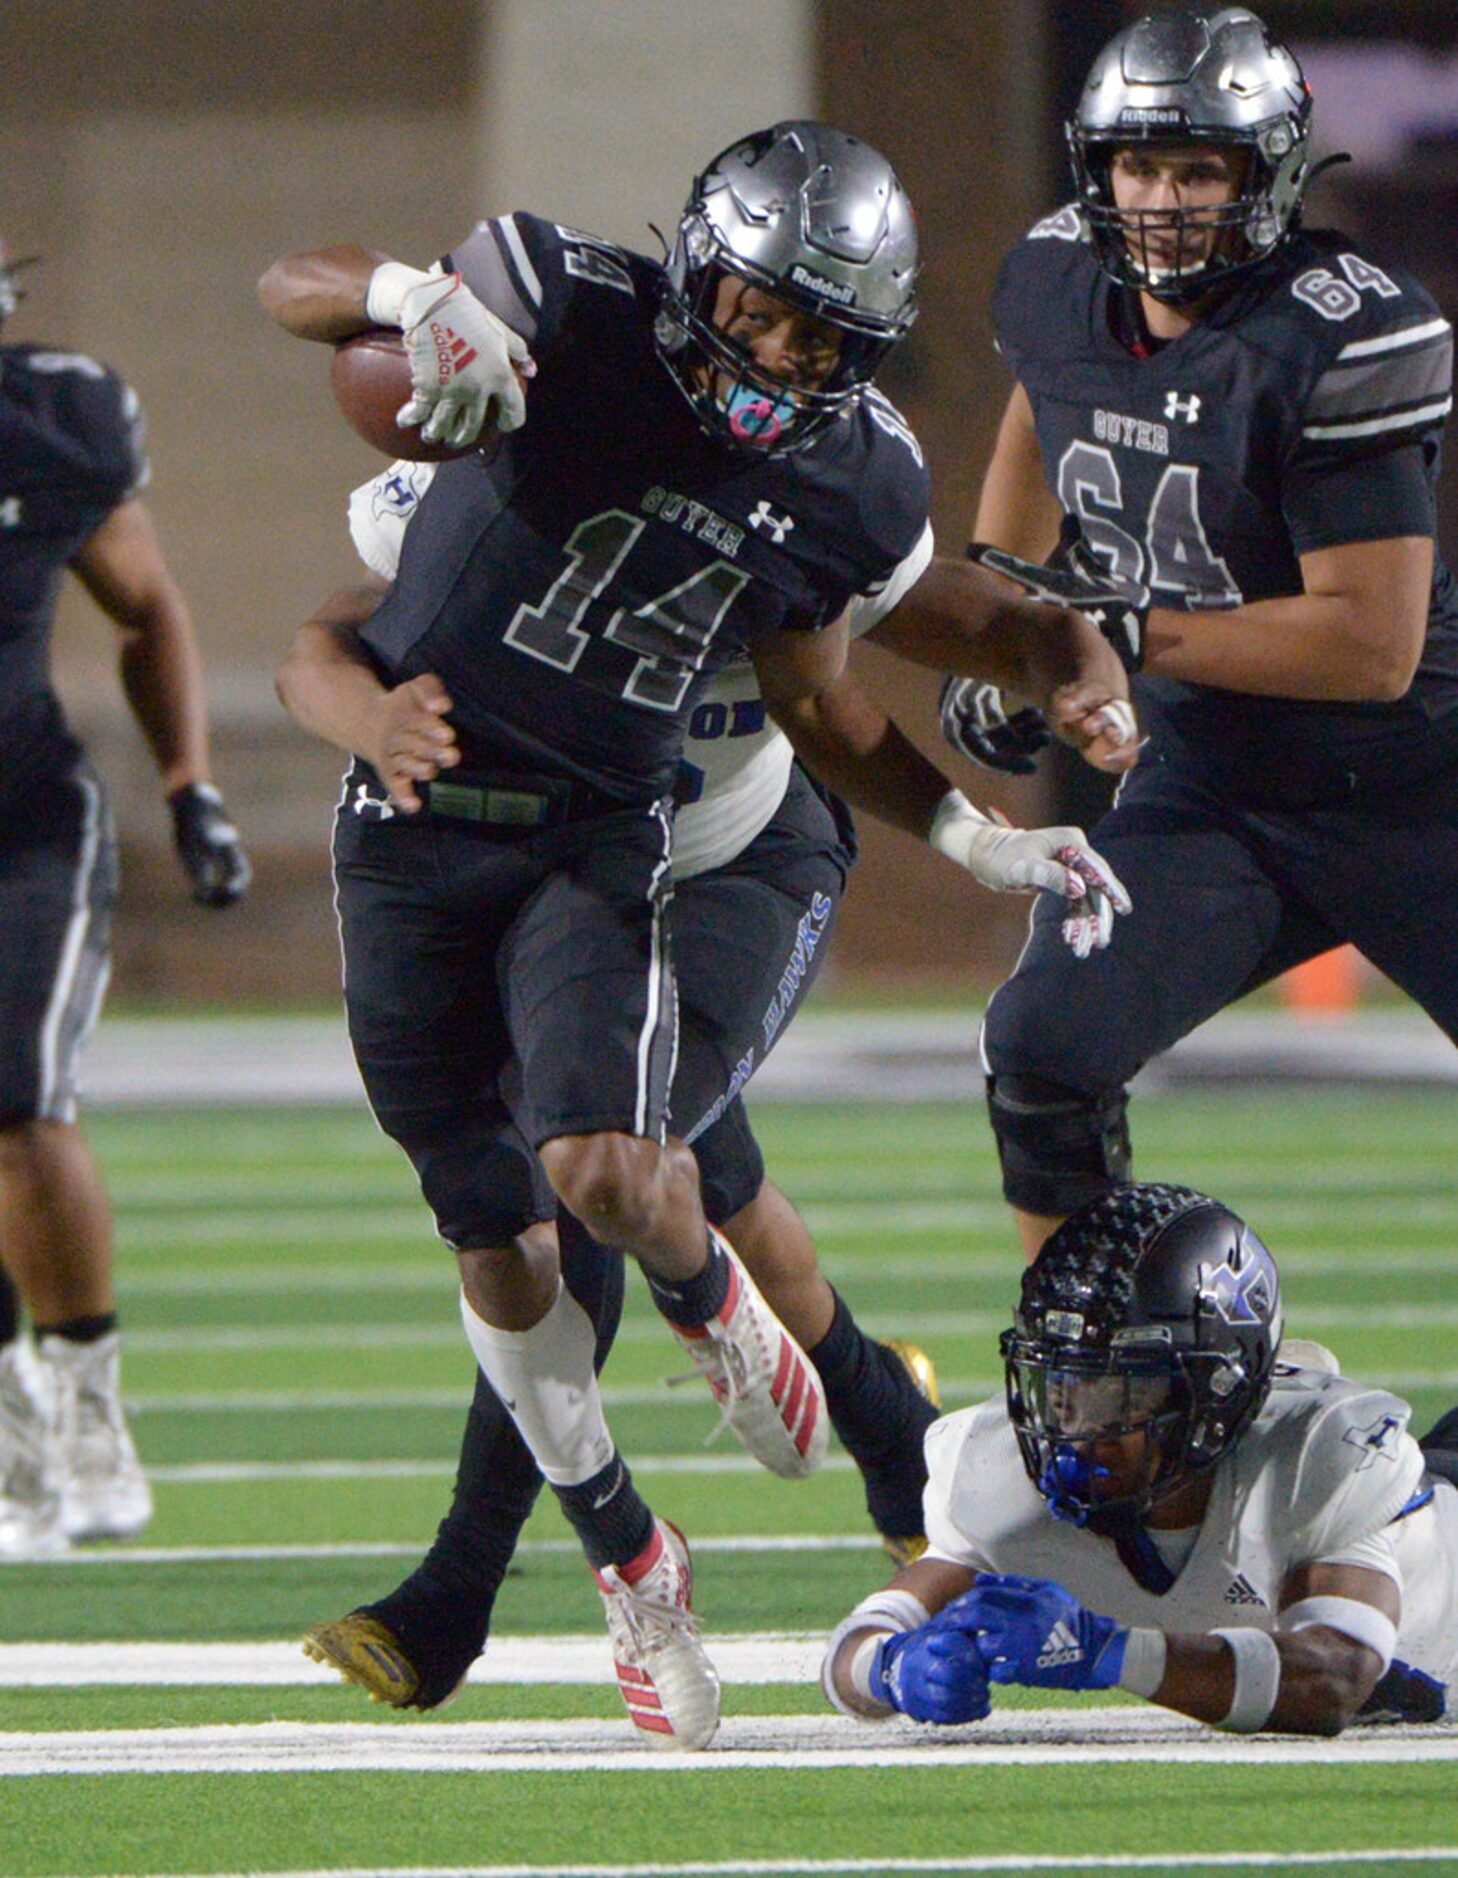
370,376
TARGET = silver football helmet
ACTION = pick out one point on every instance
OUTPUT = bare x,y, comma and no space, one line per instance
1193,74
819,220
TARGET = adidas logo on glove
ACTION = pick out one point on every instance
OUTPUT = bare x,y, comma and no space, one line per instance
1060,1646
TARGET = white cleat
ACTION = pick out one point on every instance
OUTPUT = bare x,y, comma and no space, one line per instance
762,1380
104,1493
30,1507
664,1673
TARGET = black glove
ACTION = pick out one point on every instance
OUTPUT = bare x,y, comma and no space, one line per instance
1074,576
208,844
974,722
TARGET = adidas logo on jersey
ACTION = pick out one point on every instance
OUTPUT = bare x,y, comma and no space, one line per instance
1060,1646
1241,1591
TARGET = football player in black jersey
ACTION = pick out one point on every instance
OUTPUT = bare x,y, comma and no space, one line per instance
645,528
1244,417
71,472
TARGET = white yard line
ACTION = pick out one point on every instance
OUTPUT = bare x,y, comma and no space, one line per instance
229,1473
764,1656
924,1324
564,1548
1026,1738
1379,1859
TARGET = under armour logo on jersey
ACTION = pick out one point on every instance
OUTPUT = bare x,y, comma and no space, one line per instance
1379,1437
1187,408
371,808
10,512
1060,1646
1241,1591
775,526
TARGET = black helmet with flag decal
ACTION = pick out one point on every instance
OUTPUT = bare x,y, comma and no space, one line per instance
1153,1310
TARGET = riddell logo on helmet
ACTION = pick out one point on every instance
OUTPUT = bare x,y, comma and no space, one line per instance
1151,114
818,284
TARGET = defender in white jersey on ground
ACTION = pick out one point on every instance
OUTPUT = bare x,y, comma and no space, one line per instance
1163,1503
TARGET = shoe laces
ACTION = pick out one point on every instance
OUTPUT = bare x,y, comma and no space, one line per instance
648,1617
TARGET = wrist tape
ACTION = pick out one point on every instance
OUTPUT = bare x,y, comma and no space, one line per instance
1145,1655
1362,1622
388,286
894,1611
1257,1679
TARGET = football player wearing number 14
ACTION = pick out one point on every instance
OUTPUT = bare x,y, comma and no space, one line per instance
1245,418
704,470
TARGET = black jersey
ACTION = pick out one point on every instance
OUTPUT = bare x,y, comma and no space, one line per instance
575,592
1305,412
70,451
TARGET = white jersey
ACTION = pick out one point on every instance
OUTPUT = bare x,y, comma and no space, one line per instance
1322,1476
737,757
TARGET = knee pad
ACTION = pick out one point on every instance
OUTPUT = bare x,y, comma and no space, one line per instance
1059,1148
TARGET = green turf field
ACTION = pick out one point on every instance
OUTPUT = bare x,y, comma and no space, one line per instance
297,1377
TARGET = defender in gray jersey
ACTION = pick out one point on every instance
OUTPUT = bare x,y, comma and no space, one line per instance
1163,1503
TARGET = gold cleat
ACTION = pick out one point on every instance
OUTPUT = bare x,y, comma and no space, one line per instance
919,1366
365,1653
907,1548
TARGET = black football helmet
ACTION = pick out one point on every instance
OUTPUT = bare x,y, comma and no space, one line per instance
1153,1309
818,219
1193,74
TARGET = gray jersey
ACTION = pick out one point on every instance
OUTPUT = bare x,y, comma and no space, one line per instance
1323,1476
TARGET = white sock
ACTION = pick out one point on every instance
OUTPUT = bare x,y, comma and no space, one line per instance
546,1382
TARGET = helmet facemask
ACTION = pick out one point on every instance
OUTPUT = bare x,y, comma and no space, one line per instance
1211,245
816,221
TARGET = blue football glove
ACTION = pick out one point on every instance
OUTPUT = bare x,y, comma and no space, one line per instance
1032,1631
975,723
932,1675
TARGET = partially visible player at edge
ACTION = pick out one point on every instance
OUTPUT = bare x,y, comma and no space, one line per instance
1169,1500
706,472
71,473
1244,416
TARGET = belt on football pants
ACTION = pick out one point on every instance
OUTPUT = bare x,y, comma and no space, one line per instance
522,802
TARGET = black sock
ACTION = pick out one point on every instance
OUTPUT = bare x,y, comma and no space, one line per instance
608,1514
880,1417
442,1611
9,1311
80,1329
691,1302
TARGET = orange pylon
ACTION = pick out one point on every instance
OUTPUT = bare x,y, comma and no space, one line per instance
1325,986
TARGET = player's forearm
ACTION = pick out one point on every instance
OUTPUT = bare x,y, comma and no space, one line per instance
161,673
961,618
1336,647
320,294
843,737
1324,1677
328,687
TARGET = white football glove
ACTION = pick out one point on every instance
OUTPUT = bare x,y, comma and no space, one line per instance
466,365
1030,860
